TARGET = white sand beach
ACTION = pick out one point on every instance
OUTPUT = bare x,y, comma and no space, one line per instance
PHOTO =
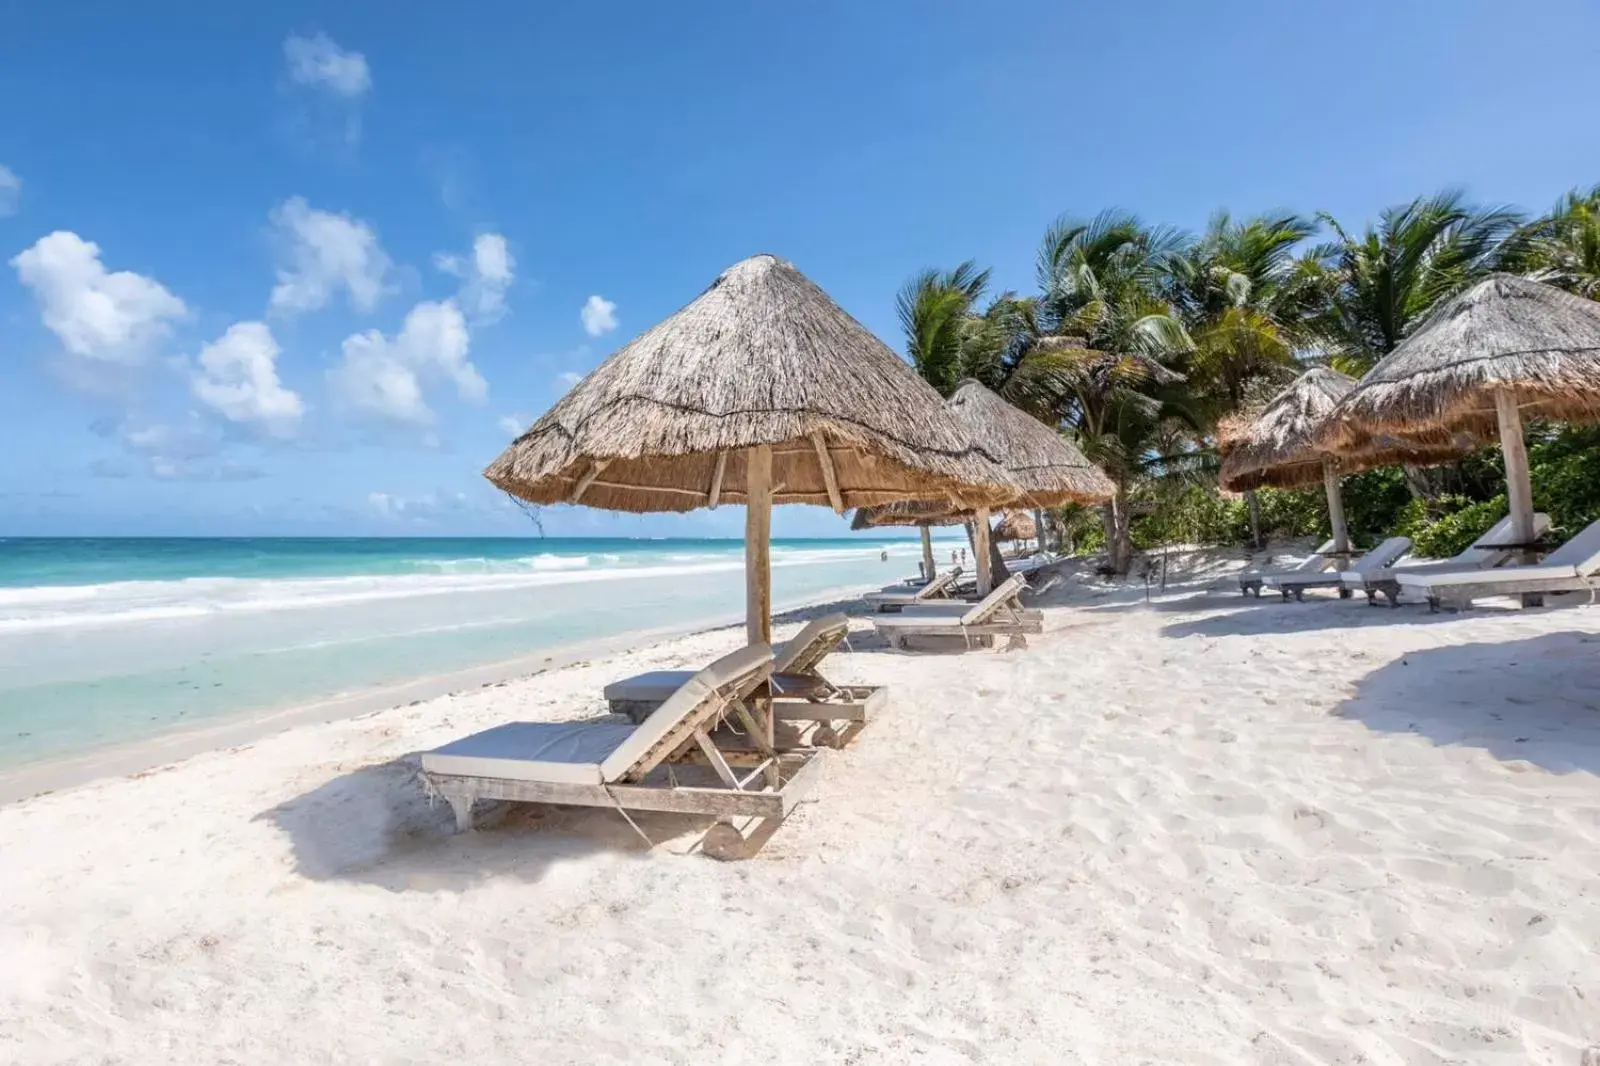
1197,830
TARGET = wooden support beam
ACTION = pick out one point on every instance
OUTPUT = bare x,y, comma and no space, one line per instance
1330,484
588,479
829,478
927,552
980,551
714,493
714,757
1519,489
758,545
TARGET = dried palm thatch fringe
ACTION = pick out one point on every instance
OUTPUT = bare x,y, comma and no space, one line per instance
1279,446
1048,466
1016,525
762,357
1504,333
906,513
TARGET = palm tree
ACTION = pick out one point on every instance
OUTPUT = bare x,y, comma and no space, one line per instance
1106,337
1563,247
1382,284
935,309
1245,297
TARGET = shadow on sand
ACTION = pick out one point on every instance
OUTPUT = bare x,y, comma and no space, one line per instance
1240,616
375,826
1536,699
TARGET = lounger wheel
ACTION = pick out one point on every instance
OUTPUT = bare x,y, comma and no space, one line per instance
723,842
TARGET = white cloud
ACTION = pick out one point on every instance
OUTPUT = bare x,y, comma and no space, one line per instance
324,253
10,191
238,377
319,63
486,276
384,376
101,315
599,316
513,424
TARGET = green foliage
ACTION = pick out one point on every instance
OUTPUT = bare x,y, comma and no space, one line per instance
1564,465
1455,531
1374,503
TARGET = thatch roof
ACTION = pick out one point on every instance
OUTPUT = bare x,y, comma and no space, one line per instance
1016,525
905,513
1505,332
763,356
1049,467
1280,445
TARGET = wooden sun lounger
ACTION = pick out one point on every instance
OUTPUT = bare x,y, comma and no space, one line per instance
897,596
1573,567
1383,556
1318,561
974,625
668,762
1482,554
810,709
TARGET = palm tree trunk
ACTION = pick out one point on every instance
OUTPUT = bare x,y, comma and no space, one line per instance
1118,520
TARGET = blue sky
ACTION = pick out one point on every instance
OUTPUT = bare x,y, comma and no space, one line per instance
287,269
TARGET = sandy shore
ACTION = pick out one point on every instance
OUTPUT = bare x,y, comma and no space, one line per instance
1195,830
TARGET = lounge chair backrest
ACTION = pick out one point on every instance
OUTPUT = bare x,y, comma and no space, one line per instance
1383,556
697,703
1317,560
811,645
936,586
1582,551
1007,590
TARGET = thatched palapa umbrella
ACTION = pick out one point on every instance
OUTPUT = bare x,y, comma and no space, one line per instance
1049,468
1016,525
1505,349
1280,446
760,391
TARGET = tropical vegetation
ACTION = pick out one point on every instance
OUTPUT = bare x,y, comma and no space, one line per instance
1140,339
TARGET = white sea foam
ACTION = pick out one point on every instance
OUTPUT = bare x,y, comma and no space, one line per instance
130,602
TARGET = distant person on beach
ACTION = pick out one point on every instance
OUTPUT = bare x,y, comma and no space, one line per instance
884,555
955,557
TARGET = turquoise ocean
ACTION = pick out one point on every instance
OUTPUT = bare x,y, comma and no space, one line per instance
107,641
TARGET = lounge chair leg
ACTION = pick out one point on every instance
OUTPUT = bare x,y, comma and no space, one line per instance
1299,595
1393,596
1433,605
1286,594
1345,594
1372,597
461,806
723,842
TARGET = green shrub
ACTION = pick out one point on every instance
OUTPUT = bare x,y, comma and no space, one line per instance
1456,531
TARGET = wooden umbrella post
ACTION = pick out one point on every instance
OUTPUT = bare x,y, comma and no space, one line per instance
927,552
758,566
1519,489
758,545
1330,483
980,550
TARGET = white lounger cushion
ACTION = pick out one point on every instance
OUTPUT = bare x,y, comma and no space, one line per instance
656,686
911,594
1380,558
1479,555
1577,558
564,752
586,753
802,641
1316,562
1509,575
930,616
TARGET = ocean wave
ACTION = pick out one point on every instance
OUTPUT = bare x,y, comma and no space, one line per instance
38,608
